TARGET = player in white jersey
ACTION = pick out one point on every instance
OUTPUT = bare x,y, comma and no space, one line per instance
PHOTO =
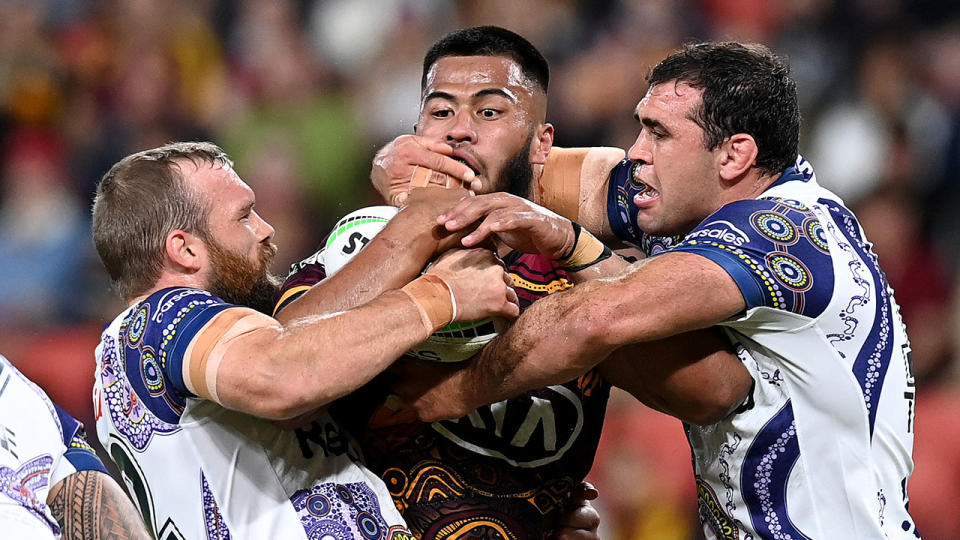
51,482
821,448
182,368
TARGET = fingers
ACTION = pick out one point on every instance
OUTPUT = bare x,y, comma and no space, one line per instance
585,492
479,282
471,209
580,523
440,161
412,161
567,533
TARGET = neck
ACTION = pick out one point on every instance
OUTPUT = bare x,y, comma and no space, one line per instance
750,186
168,280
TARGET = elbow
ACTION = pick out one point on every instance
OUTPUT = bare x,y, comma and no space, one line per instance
281,407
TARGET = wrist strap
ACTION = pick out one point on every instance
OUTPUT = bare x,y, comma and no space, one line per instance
433,299
587,250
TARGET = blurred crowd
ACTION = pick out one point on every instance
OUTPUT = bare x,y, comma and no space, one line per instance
302,93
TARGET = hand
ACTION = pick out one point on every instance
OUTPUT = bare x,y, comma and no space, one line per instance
396,164
421,210
517,222
581,520
479,283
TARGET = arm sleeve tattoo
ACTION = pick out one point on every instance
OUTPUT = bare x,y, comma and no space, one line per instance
91,505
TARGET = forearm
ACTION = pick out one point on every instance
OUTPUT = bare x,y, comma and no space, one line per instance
564,335
90,505
391,259
609,267
286,371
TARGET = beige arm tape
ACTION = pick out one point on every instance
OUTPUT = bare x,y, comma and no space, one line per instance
202,358
423,177
571,174
433,299
585,251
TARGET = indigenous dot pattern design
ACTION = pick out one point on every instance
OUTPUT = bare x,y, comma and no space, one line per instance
870,366
340,512
141,370
22,485
131,418
775,249
213,519
766,470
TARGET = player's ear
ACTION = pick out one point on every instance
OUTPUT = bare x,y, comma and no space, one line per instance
416,128
737,155
543,142
186,251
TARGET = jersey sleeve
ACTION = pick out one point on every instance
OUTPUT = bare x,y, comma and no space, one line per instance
774,249
79,456
156,336
302,276
622,213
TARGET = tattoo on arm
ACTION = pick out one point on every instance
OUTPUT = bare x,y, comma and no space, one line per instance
91,505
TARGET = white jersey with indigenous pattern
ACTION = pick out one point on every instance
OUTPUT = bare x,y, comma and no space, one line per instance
40,445
198,470
822,448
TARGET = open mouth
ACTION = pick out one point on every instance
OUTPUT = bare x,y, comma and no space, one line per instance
467,163
645,194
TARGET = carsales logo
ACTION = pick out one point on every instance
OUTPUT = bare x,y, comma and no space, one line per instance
722,231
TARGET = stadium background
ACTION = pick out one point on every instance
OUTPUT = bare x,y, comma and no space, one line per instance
301,94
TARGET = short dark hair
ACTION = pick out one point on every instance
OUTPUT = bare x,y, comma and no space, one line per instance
746,89
139,201
490,41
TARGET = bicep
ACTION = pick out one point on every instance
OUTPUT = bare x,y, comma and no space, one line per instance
695,376
216,351
663,296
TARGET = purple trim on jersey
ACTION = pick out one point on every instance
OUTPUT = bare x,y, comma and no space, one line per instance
78,453
216,527
132,419
872,361
22,485
340,511
305,273
154,336
191,315
766,470
775,251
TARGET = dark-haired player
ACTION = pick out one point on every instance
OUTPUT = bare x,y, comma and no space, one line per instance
822,447
510,469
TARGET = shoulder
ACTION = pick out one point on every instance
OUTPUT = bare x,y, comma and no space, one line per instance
774,248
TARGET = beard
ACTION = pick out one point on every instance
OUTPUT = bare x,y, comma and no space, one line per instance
237,281
517,174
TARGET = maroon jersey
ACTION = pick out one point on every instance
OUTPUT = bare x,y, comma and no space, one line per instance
505,471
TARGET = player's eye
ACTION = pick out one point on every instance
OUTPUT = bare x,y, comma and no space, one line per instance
489,113
442,113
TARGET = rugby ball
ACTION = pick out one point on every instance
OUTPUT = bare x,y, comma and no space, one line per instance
352,233
455,342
